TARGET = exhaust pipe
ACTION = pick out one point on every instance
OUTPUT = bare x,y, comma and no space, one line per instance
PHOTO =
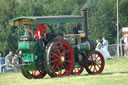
84,13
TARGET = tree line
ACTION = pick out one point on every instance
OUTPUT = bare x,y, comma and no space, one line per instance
102,17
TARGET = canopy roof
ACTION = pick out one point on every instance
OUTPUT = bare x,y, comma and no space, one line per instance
45,20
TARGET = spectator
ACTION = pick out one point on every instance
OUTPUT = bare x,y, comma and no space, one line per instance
15,63
99,45
105,42
8,59
122,45
105,48
15,60
1,64
20,57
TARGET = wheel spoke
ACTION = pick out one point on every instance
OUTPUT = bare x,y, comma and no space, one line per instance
55,48
98,63
68,61
55,54
62,46
90,67
98,66
95,68
53,66
90,62
66,56
57,66
63,66
55,60
58,50
91,57
60,70
35,73
74,70
67,51
96,58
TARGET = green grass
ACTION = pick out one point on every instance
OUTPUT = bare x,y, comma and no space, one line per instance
115,73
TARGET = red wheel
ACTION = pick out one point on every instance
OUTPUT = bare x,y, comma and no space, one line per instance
60,59
33,74
38,74
94,63
77,70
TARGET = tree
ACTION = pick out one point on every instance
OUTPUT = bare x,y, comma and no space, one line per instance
7,9
102,17
102,21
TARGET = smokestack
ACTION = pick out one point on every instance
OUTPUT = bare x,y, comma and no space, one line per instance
84,13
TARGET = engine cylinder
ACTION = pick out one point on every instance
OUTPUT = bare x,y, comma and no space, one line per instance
85,46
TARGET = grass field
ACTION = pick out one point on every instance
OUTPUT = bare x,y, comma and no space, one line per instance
115,73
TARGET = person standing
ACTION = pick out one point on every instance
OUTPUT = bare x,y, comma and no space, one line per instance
1,64
99,45
15,63
105,43
122,45
105,48
8,59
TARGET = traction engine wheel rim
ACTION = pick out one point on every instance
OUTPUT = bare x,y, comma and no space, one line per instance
33,74
26,73
77,70
61,58
95,63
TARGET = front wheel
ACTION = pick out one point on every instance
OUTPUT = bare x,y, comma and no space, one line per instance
94,63
36,74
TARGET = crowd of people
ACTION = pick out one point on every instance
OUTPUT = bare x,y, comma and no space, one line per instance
9,63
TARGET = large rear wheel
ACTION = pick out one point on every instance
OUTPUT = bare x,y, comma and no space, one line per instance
94,63
59,60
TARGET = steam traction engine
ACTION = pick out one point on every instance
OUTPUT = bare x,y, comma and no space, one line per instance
62,54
